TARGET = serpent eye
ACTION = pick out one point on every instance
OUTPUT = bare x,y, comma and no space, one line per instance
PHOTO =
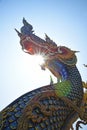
59,50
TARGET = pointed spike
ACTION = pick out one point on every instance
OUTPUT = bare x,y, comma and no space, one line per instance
47,36
19,34
24,20
48,40
76,51
26,24
85,65
51,80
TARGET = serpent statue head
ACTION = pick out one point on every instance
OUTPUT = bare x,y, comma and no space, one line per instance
47,48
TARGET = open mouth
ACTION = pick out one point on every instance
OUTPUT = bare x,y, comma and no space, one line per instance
27,45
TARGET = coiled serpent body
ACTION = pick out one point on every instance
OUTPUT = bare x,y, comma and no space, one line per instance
52,107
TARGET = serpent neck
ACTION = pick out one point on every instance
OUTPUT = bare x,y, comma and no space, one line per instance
76,81
74,76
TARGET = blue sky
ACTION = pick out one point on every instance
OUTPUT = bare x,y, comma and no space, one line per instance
65,21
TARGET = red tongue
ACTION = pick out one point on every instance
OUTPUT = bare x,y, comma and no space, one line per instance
30,50
28,47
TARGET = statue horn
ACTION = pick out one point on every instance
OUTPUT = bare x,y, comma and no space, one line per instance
76,51
19,34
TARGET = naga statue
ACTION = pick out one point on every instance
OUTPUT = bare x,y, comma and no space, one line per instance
56,106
